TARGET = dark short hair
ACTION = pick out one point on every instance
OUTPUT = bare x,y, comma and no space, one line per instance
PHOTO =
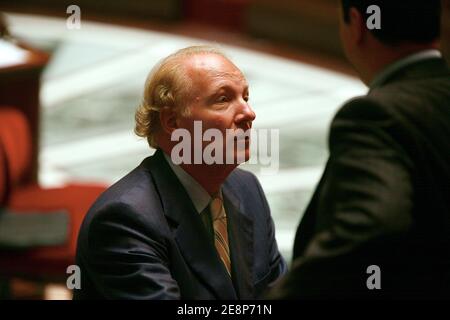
416,21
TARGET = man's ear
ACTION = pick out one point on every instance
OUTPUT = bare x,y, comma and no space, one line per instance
357,25
168,119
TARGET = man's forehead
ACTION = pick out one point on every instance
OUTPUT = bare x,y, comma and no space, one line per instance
213,65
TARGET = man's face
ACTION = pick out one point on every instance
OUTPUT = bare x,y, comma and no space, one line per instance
219,99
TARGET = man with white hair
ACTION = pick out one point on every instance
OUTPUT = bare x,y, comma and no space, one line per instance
191,230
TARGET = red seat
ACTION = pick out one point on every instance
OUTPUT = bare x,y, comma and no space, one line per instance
45,262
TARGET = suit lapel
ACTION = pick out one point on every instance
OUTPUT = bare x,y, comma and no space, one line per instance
190,234
240,231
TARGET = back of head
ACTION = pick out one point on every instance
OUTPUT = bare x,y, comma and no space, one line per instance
412,21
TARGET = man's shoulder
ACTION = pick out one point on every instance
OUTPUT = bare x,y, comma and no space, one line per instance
419,90
244,185
240,177
414,91
400,101
136,182
131,193
131,201
364,108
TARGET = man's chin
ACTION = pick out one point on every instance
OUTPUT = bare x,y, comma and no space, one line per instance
242,156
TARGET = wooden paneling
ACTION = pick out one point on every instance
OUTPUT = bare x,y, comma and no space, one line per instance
304,23
133,9
228,14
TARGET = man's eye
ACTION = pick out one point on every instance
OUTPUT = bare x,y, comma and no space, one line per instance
222,99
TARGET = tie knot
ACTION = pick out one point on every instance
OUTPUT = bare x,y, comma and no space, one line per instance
216,207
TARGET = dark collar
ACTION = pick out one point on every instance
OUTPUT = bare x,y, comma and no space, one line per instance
428,68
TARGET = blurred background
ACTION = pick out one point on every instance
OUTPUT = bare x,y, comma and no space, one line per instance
77,90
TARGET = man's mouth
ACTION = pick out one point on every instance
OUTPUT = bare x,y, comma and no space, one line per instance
241,138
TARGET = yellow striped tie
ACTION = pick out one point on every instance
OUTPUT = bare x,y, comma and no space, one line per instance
219,218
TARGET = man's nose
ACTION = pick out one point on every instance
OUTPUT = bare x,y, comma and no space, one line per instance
245,113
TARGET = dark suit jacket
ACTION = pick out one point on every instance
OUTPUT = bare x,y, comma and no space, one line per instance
384,198
143,239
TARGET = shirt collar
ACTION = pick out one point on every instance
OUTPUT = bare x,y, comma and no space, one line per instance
199,196
396,66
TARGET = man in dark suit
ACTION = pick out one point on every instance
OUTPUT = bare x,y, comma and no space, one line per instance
187,231
378,224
